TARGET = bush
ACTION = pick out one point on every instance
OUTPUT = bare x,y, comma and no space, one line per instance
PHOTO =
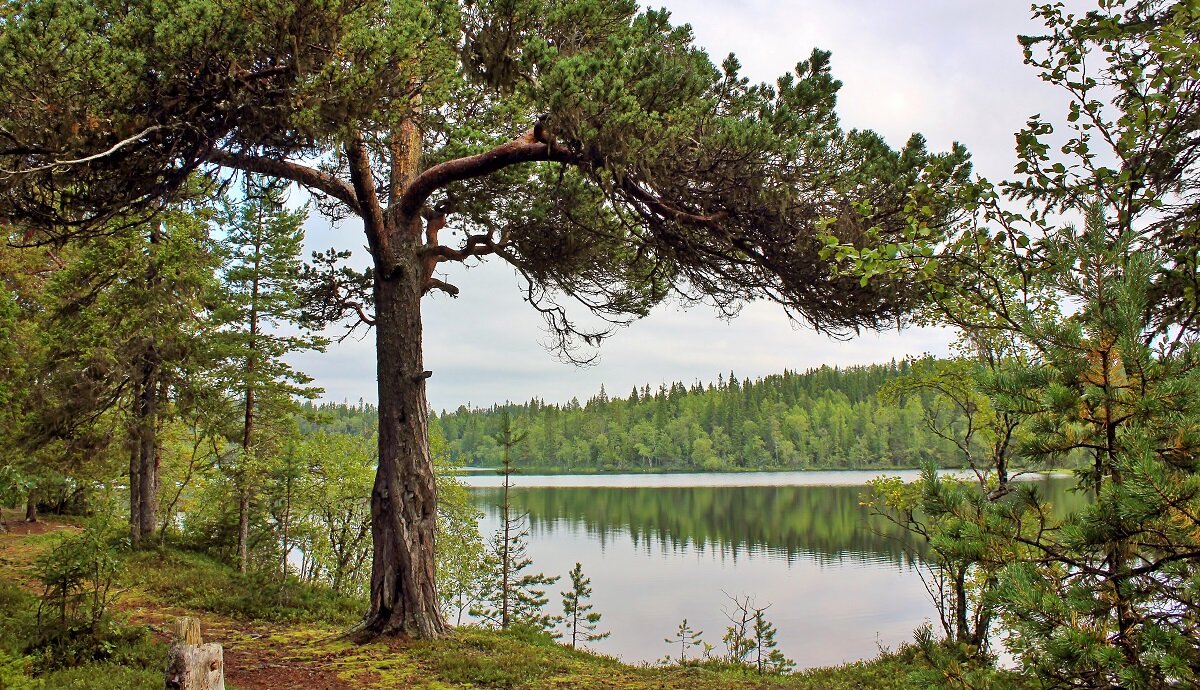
77,576
193,580
14,673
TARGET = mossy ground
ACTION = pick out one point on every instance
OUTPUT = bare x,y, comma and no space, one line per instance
287,635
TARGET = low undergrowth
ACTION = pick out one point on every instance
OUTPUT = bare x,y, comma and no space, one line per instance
196,581
285,634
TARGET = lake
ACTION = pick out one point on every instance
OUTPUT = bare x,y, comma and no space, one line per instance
660,548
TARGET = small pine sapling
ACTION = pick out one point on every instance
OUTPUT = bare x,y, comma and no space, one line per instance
578,618
768,659
510,597
750,638
686,637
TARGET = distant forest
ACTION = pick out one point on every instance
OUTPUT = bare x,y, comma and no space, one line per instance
826,418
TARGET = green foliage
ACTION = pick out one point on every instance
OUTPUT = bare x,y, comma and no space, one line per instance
14,673
687,637
578,619
1101,325
108,676
767,658
750,638
591,145
40,654
199,582
332,522
261,279
507,594
827,418
461,563
77,576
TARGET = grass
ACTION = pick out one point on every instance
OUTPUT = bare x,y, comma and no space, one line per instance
196,581
285,634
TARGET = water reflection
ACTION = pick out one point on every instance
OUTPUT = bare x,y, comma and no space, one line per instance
819,523
841,581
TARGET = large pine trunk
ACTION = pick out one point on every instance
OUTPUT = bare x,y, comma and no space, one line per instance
404,500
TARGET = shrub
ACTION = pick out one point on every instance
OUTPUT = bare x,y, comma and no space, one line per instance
77,576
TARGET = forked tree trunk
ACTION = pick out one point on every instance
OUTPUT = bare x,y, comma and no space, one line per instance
403,501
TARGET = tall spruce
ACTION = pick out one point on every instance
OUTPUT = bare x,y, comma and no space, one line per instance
590,145
262,243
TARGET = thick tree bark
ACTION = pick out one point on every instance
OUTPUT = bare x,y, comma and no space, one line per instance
404,499
31,506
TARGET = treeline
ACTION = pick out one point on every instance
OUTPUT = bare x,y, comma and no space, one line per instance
825,418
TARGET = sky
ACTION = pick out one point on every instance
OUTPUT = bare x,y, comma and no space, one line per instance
949,69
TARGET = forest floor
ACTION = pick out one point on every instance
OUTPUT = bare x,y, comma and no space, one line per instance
158,586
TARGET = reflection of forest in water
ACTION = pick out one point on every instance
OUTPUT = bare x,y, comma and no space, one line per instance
821,523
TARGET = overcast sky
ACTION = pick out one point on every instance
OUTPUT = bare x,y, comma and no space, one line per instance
950,69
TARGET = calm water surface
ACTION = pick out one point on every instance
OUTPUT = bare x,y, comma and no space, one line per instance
661,548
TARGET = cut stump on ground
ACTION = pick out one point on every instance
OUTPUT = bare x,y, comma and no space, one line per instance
191,664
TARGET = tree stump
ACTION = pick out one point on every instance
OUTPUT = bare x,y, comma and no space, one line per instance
191,664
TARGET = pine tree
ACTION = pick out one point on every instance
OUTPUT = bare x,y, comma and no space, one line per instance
262,278
578,619
1105,318
767,658
511,596
124,330
687,638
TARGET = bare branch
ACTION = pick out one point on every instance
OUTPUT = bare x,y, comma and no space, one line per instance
87,159
476,245
435,284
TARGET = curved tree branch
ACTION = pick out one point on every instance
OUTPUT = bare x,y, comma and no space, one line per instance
524,149
364,189
301,174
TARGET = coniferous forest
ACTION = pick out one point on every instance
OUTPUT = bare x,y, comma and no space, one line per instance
826,418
